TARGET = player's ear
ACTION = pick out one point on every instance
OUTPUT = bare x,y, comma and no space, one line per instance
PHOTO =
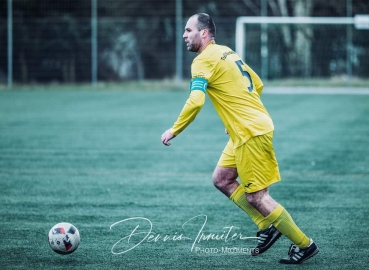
204,32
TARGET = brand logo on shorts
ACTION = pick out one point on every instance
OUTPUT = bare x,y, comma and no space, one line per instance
248,185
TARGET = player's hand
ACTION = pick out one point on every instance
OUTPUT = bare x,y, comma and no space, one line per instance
166,137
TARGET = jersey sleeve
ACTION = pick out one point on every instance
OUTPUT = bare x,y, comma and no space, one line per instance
201,71
192,107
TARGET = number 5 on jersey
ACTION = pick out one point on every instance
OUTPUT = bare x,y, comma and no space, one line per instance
244,72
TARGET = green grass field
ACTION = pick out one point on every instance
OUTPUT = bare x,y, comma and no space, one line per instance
94,158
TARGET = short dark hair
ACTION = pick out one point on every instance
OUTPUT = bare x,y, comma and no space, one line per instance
204,21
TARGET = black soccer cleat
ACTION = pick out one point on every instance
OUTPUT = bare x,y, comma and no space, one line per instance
266,238
298,255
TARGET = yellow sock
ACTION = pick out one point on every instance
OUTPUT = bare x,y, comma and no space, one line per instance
282,220
239,198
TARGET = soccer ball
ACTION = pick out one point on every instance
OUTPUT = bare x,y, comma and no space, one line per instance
64,238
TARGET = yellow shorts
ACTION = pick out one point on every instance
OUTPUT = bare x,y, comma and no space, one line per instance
255,160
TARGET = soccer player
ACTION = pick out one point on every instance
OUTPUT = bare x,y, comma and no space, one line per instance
234,89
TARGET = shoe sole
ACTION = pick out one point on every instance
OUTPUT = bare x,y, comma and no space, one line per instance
278,235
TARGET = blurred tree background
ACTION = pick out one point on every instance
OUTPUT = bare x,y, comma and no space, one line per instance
136,38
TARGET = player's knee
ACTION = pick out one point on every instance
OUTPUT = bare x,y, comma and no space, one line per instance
224,178
218,181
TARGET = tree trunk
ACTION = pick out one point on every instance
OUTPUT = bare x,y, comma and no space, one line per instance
69,69
23,67
297,39
72,68
304,34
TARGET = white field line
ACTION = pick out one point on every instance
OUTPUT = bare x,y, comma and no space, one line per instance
316,90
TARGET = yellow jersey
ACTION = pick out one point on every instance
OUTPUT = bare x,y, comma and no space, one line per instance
234,89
